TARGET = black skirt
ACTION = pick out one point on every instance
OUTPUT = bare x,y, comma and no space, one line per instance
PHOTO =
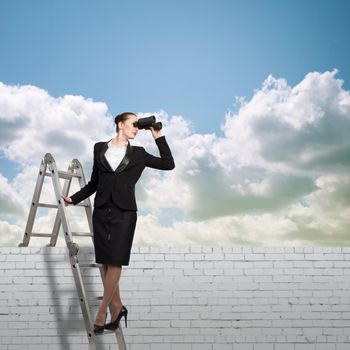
113,234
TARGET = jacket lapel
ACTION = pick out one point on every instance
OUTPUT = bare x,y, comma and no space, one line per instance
102,157
124,162
126,159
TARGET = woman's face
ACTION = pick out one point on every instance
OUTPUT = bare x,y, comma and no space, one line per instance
127,127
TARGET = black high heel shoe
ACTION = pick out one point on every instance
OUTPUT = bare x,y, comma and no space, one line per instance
99,329
115,324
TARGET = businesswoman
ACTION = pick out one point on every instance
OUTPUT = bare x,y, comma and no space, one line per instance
116,168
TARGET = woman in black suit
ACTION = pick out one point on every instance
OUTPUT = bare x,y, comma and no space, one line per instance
116,168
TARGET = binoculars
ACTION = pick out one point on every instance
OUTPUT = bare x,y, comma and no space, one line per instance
145,123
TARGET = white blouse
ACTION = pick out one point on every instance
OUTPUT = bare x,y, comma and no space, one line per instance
114,154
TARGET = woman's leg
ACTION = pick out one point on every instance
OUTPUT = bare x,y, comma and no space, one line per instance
105,267
116,304
112,276
116,300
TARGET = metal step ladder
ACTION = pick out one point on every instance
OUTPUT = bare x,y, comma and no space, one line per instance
75,170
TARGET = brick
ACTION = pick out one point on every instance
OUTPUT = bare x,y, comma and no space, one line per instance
305,347
154,256
224,347
181,346
214,256
202,347
179,257
141,347
161,347
15,257
263,347
192,257
235,256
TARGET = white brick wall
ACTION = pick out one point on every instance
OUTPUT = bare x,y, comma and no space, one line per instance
195,298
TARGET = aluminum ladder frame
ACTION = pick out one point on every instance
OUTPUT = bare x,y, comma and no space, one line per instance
75,170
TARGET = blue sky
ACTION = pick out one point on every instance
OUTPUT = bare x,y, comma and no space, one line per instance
186,61
190,58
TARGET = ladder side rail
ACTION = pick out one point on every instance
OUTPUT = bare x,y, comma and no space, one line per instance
120,338
84,302
73,250
34,204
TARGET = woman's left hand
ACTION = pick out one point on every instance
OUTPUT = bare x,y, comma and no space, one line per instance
155,133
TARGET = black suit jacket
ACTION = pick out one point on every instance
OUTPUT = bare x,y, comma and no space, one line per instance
119,184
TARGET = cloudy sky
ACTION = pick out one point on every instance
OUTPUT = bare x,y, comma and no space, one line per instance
253,96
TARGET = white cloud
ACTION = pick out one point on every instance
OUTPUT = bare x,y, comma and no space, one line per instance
9,234
283,138
11,203
278,176
33,122
289,129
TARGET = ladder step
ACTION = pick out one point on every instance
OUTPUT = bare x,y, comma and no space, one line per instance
85,264
106,331
82,205
82,234
36,234
46,205
94,300
64,175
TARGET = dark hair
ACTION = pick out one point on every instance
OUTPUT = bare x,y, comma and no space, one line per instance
122,117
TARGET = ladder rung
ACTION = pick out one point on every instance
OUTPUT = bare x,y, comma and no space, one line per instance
46,205
82,205
94,300
106,331
84,264
41,234
82,234
64,174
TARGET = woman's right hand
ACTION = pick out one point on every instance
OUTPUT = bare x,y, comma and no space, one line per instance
155,133
67,200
